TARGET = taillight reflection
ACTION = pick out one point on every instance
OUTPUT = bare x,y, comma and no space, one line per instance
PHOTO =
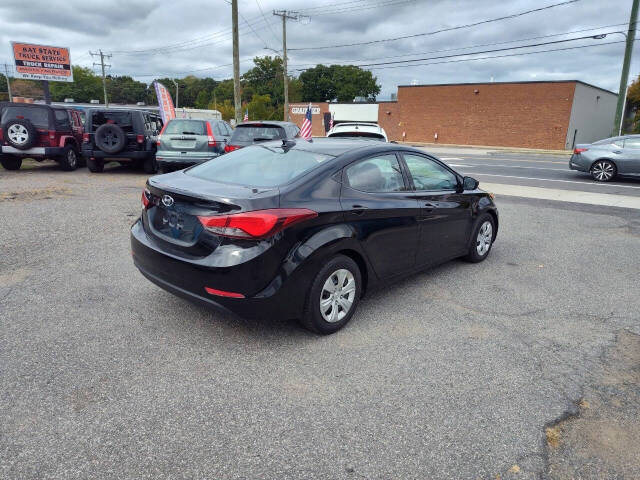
230,148
146,198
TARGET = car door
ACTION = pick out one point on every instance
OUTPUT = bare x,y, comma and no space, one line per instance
377,202
445,211
629,164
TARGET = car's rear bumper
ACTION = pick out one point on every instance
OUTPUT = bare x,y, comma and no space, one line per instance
35,151
577,162
124,155
188,279
168,159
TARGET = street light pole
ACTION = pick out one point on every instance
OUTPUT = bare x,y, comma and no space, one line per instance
177,91
624,76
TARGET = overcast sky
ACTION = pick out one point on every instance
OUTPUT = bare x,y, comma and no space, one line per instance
194,36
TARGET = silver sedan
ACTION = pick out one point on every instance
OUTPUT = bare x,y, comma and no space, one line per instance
608,158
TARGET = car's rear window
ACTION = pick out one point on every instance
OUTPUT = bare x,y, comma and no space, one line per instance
258,166
186,127
375,136
39,117
122,119
256,133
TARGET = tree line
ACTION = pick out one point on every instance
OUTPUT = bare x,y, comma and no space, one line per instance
261,87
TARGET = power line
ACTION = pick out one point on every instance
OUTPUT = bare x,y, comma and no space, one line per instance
266,21
539,44
500,56
356,8
468,46
449,29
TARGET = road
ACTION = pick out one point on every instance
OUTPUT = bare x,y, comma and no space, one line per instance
534,170
459,372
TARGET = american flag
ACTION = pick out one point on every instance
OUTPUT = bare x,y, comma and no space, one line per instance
331,122
246,115
305,131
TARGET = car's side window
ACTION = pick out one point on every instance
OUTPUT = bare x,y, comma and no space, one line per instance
62,119
429,175
632,143
378,174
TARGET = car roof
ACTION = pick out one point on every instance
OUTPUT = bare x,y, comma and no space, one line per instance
266,122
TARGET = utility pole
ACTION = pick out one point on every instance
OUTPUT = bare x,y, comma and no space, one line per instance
624,77
285,14
6,74
237,100
177,91
104,78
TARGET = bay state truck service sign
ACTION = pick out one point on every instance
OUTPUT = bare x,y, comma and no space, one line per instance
42,62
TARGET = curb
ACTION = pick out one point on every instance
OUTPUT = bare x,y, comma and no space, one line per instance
489,147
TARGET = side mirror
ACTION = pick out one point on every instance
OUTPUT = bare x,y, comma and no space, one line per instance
469,183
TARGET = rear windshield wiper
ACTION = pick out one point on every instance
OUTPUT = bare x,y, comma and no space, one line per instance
262,139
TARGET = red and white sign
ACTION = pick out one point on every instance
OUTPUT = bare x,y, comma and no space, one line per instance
165,102
42,62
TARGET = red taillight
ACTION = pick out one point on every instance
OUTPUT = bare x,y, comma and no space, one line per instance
140,138
146,198
580,150
256,224
222,293
211,140
160,134
85,137
230,148
52,135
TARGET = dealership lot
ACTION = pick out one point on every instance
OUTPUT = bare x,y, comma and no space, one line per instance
453,373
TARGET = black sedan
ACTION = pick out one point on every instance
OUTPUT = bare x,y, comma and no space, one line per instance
302,230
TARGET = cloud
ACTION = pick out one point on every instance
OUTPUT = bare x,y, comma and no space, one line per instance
192,35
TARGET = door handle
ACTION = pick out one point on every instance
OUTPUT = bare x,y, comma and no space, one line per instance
617,151
358,209
429,206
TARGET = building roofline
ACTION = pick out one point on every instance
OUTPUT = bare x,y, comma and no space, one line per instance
508,83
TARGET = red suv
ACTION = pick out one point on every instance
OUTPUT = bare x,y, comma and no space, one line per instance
39,132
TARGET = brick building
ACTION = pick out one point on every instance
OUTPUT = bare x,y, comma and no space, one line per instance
552,115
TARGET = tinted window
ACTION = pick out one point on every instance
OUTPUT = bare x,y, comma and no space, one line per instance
119,118
429,175
217,129
252,133
62,119
374,136
632,143
186,127
39,117
258,166
376,174
229,129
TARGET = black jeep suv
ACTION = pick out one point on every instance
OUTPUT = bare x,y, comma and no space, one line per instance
39,131
121,135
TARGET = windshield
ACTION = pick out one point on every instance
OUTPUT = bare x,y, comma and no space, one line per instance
256,133
186,127
39,117
258,166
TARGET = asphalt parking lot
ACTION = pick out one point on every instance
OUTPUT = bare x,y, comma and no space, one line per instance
494,370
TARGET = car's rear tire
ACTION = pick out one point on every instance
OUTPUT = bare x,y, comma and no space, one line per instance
333,297
603,171
20,134
110,138
70,158
481,239
94,165
11,163
150,165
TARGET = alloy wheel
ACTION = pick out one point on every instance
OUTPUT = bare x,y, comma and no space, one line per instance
484,238
18,134
71,158
602,171
337,296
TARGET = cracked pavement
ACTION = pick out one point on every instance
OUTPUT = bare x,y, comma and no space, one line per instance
452,373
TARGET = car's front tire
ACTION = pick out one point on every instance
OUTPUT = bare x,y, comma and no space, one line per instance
94,165
333,297
481,239
11,163
603,171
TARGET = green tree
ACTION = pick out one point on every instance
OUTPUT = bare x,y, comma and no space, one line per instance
202,100
340,82
86,86
633,104
265,78
126,90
